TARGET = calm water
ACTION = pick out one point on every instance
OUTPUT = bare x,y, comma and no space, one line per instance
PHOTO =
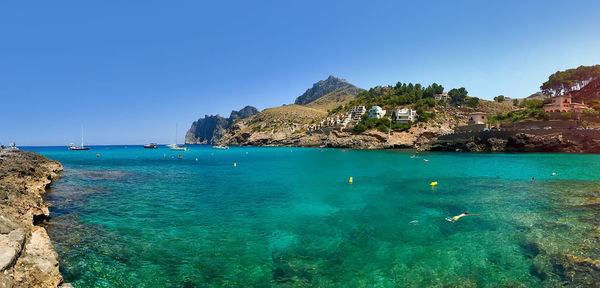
288,217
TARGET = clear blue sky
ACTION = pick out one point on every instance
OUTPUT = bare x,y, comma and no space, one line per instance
130,70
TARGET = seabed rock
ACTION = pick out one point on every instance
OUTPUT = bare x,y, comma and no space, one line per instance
578,271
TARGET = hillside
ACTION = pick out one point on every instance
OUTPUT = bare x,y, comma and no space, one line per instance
322,88
281,122
590,92
334,99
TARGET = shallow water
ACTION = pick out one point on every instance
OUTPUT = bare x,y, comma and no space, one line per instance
288,217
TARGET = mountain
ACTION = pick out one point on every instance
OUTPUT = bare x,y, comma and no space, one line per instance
244,113
335,98
322,88
539,95
278,124
211,128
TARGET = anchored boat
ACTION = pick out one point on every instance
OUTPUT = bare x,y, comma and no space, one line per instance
73,147
151,146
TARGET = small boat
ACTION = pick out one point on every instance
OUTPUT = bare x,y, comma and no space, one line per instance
220,147
151,146
73,147
178,148
13,146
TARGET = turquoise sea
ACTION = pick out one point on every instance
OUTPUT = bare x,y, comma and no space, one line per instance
288,217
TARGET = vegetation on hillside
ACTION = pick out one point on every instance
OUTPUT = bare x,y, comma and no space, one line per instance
571,79
531,109
421,98
382,124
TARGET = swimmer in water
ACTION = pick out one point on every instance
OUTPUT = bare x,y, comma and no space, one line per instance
455,218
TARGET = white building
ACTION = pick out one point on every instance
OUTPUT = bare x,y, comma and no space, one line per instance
477,118
356,112
442,97
376,112
404,115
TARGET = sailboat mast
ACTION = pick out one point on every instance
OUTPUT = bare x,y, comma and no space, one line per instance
81,135
176,134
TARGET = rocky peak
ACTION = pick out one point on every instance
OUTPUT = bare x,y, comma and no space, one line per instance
321,88
210,129
243,113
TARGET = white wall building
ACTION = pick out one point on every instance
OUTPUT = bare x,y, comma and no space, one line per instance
376,112
356,112
477,118
404,115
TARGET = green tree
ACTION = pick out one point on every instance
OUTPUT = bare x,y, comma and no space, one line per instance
499,98
472,102
457,96
516,102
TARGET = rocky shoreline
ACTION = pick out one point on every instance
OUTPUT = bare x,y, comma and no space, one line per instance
27,257
555,142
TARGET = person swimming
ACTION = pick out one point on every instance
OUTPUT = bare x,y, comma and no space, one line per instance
455,218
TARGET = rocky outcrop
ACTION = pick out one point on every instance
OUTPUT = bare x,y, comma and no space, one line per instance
210,129
560,141
589,92
27,257
242,114
207,130
335,138
322,88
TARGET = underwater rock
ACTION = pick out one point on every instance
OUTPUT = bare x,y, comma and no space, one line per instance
104,174
578,271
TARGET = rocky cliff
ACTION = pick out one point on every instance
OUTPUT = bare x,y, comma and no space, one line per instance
322,88
210,129
27,257
570,141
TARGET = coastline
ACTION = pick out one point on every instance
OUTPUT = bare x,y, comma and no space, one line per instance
27,256
427,140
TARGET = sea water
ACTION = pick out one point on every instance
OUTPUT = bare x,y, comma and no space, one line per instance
289,217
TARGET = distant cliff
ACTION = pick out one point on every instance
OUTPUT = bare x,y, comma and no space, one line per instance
211,128
322,88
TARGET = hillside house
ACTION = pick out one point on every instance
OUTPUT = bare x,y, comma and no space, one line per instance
404,115
442,97
477,118
376,112
356,112
564,103
559,104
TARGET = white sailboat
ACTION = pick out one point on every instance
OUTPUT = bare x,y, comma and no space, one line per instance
176,147
73,147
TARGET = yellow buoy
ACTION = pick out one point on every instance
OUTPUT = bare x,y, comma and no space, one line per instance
196,159
350,180
433,183
234,164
